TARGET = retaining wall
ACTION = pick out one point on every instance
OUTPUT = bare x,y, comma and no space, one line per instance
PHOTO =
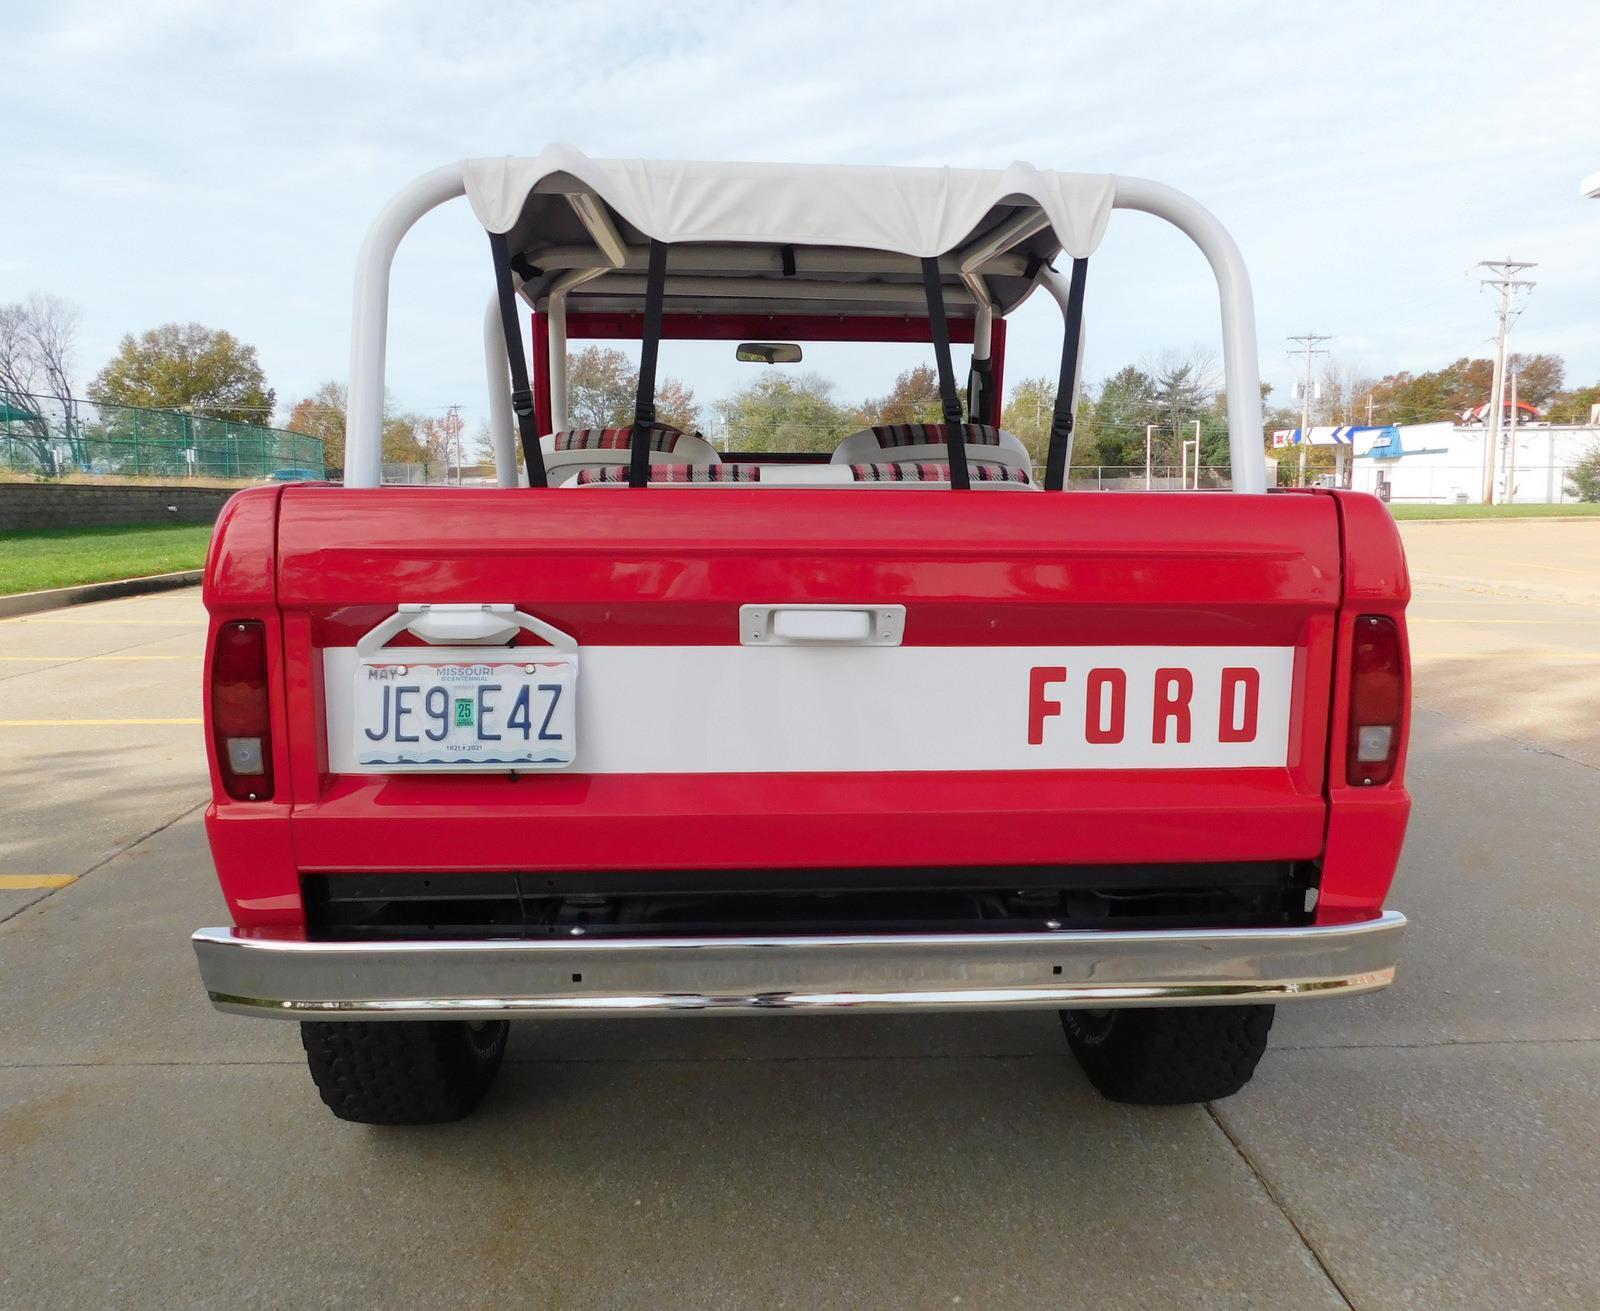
89,505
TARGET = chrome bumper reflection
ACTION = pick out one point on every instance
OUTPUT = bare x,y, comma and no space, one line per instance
292,978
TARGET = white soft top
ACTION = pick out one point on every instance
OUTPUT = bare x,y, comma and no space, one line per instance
1014,219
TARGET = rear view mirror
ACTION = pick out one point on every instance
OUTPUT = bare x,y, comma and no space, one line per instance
768,352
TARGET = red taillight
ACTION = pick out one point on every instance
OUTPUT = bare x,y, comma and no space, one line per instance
1377,701
240,716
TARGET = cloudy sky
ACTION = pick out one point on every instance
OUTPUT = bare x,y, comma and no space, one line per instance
219,162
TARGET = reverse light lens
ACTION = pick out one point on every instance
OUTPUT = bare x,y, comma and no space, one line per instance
1373,742
240,713
1377,701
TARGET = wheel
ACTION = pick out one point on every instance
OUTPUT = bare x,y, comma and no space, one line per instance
403,1071
1169,1055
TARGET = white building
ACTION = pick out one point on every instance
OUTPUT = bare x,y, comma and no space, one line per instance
1439,462
1443,462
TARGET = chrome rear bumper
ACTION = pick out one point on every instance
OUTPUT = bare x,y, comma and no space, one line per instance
295,979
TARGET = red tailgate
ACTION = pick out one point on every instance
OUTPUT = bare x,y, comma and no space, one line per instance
980,576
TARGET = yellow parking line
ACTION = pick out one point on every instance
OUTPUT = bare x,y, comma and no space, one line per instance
1505,655
79,659
87,723
111,620
22,882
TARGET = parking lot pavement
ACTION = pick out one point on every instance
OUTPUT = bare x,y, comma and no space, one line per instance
99,734
1431,1146
1558,559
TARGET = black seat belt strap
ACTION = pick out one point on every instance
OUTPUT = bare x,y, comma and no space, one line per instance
1061,418
644,407
955,431
521,392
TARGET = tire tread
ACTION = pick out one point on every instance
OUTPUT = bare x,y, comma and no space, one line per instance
1173,1056
398,1072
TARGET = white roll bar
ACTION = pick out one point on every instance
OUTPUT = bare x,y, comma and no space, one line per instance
502,427
369,331
1241,366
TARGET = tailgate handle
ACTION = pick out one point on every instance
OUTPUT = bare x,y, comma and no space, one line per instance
821,625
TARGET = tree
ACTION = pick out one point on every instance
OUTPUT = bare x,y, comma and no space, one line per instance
402,441
1433,397
1345,390
37,340
675,406
1125,405
1574,406
1027,413
603,387
441,438
787,412
1539,378
322,415
1583,479
914,398
184,366
483,443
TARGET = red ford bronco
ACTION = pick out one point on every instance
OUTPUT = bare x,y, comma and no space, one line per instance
901,726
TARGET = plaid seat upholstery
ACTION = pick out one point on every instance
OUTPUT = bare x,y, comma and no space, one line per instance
890,435
920,471
662,438
675,473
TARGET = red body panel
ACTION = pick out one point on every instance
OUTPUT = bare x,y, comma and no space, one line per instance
322,566
1366,825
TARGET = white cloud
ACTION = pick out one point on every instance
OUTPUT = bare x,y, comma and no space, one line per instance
220,161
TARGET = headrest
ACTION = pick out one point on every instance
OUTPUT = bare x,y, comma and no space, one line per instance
926,441
925,434
662,438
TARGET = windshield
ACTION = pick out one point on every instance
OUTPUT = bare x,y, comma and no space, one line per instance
808,407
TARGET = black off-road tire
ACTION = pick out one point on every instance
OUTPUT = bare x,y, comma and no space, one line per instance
1169,1055
403,1071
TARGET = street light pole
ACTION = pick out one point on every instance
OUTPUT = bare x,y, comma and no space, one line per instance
1149,430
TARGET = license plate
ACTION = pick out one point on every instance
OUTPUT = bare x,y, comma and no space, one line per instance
444,713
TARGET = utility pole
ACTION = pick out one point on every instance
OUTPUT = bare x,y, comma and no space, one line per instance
1509,285
1308,342
1511,442
452,428
1149,433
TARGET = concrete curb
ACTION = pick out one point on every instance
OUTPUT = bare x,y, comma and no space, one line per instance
59,598
1516,519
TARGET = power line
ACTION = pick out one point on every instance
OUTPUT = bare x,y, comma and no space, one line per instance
1509,285
1308,341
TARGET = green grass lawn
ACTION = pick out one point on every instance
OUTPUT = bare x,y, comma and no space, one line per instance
63,557
1572,509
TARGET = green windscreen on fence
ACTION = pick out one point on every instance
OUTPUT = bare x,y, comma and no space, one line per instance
38,435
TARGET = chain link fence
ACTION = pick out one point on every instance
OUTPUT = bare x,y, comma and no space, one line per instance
42,437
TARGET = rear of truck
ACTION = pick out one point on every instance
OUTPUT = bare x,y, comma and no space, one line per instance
1135,758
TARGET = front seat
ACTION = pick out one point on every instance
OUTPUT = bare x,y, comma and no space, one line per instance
924,443
568,453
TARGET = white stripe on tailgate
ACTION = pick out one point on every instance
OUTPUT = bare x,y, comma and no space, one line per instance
748,709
